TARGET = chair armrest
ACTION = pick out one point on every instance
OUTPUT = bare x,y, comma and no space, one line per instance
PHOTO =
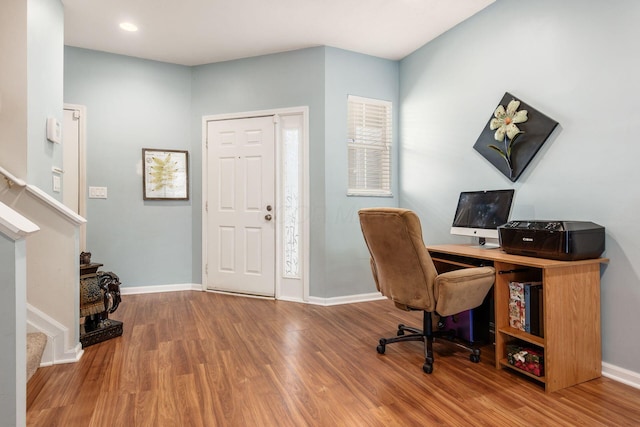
460,290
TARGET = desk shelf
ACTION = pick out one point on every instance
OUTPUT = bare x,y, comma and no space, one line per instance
523,336
571,340
505,364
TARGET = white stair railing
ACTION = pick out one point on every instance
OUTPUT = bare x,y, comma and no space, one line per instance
52,263
11,179
14,225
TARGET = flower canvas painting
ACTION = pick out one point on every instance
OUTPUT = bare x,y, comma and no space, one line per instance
513,135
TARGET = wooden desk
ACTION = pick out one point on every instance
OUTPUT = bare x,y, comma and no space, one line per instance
571,318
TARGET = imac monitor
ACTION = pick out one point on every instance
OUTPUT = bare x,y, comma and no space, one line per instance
479,213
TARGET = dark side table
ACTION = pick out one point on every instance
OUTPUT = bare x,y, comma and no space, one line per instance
97,326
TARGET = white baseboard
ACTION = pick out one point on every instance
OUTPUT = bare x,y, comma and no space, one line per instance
621,375
348,299
70,356
57,335
159,288
290,299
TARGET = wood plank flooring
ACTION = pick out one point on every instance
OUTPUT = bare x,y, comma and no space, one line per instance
205,359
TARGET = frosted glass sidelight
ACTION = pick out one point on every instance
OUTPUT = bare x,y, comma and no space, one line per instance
291,246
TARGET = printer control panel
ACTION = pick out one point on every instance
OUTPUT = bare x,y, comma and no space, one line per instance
535,225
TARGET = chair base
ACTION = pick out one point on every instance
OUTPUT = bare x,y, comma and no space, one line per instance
427,335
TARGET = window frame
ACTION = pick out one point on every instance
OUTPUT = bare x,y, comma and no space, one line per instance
378,182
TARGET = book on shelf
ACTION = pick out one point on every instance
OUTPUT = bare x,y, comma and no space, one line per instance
516,305
525,307
532,305
540,292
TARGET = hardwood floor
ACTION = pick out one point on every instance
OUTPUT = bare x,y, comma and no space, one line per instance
205,359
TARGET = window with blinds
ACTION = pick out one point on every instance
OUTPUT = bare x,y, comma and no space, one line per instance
369,146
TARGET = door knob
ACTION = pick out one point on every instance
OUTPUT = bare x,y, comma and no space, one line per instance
269,208
268,217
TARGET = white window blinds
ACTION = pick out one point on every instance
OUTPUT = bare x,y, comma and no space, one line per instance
369,146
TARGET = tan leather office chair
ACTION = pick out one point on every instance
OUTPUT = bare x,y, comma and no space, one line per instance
404,272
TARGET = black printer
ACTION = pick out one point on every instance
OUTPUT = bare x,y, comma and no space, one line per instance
561,240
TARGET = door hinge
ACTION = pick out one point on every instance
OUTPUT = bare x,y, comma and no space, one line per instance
76,115
206,206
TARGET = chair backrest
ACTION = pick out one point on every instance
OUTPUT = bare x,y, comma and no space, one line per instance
401,264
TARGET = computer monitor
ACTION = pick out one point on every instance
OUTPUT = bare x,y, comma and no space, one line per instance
479,213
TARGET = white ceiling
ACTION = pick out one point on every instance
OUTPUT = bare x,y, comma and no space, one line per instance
193,32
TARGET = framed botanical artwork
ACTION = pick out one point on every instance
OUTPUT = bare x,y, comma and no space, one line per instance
513,135
165,174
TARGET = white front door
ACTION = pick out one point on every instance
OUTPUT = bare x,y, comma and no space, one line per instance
241,205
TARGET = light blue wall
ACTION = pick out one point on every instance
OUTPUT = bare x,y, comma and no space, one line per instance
9,402
320,78
133,104
572,61
45,62
282,80
348,73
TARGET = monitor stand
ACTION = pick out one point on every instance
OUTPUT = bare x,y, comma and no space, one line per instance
484,243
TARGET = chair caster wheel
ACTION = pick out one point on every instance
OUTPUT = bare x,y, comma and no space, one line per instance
400,330
381,347
475,358
427,368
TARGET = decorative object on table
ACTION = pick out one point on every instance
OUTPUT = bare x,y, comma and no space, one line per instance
85,258
513,135
99,297
528,359
165,174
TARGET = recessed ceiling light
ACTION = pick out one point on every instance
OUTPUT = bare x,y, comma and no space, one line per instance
128,26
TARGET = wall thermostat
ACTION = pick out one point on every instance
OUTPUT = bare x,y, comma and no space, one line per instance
54,130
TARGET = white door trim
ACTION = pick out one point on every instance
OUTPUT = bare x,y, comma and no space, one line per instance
82,168
284,293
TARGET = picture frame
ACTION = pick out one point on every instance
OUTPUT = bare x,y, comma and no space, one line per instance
535,131
165,174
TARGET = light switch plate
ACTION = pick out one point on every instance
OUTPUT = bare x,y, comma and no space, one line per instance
97,192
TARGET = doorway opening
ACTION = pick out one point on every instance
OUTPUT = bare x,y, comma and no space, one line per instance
255,191
74,164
